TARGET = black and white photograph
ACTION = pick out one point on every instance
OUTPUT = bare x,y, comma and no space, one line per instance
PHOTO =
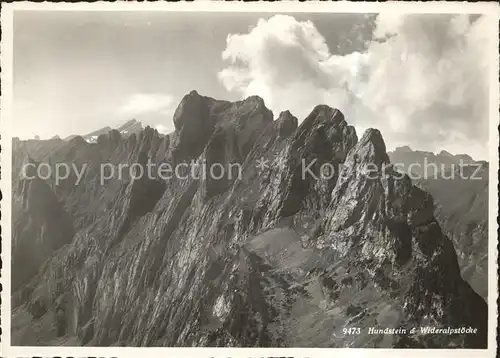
249,177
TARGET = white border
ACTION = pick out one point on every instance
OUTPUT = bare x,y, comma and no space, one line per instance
488,9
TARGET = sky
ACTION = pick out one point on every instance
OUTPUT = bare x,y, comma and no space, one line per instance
420,79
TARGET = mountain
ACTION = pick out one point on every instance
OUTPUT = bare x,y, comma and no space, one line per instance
460,192
287,252
128,128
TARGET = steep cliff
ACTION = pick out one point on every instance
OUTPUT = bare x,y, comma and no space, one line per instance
317,234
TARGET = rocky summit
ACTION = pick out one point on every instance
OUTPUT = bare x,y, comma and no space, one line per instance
319,242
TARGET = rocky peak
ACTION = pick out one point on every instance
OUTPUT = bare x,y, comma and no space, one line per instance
197,117
403,149
287,124
324,116
329,126
256,101
193,126
191,111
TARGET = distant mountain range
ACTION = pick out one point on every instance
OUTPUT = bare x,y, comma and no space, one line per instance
420,163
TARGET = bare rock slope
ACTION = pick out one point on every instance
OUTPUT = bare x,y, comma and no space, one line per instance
271,258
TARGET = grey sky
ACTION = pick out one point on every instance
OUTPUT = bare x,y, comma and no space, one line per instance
75,72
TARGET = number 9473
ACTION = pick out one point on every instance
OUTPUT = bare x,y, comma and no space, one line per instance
352,330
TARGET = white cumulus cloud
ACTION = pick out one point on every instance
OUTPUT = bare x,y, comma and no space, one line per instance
422,80
428,81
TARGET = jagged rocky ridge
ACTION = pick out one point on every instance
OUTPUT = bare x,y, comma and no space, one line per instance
269,259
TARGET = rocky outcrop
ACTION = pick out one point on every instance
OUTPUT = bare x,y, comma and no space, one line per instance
317,234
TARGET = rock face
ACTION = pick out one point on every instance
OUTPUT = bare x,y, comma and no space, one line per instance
460,193
317,234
